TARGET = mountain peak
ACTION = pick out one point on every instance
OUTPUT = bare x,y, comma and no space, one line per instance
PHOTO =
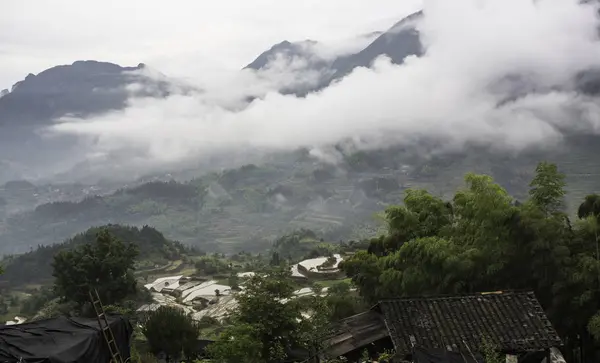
286,48
82,88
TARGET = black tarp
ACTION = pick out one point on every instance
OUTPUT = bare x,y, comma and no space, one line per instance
421,355
63,340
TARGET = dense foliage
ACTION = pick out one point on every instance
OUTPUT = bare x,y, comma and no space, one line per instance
485,240
172,332
267,324
105,265
35,266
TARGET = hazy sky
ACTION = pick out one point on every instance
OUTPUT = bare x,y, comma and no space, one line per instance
180,37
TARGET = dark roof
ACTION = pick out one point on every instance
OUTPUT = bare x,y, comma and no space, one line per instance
355,332
512,321
62,340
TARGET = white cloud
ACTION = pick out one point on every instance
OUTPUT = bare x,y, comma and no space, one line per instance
452,92
182,38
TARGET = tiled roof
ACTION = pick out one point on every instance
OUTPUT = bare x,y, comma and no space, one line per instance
354,332
512,321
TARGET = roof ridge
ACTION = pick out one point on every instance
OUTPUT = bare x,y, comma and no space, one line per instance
460,296
513,320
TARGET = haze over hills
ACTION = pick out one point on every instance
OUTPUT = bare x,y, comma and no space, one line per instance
81,89
127,122
88,88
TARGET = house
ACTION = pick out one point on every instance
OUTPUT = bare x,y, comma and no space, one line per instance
208,291
514,323
320,268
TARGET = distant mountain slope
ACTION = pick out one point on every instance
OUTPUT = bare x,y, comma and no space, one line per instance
299,50
246,208
35,266
299,58
397,43
80,89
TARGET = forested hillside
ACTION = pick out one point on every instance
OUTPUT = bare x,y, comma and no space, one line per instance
34,267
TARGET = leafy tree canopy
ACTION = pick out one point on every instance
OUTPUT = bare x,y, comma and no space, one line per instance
172,332
106,264
482,240
267,323
36,266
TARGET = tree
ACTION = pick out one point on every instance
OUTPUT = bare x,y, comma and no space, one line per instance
172,332
486,242
234,281
264,325
342,302
589,207
364,270
208,265
106,265
547,188
238,343
275,260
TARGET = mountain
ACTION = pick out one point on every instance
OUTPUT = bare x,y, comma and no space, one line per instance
304,58
397,43
246,208
299,50
81,89
240,208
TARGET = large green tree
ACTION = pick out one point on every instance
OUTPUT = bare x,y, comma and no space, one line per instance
171,331
269,322
106,265
548,188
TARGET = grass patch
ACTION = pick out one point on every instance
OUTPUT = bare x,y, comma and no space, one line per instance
174,265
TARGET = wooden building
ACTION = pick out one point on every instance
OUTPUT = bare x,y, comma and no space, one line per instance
512,322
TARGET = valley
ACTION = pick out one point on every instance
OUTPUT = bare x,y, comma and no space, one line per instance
272,212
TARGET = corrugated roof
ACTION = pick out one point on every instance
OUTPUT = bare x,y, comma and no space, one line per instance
512,321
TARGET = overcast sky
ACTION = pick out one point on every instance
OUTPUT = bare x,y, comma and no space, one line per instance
180,37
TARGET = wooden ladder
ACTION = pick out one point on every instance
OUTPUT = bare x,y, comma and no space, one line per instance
109,338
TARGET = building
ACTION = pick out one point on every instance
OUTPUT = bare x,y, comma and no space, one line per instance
320,268
171,282
513,322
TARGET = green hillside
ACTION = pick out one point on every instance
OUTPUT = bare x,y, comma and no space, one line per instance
34,267
248,207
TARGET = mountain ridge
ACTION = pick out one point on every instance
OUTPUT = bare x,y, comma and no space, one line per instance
70,89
